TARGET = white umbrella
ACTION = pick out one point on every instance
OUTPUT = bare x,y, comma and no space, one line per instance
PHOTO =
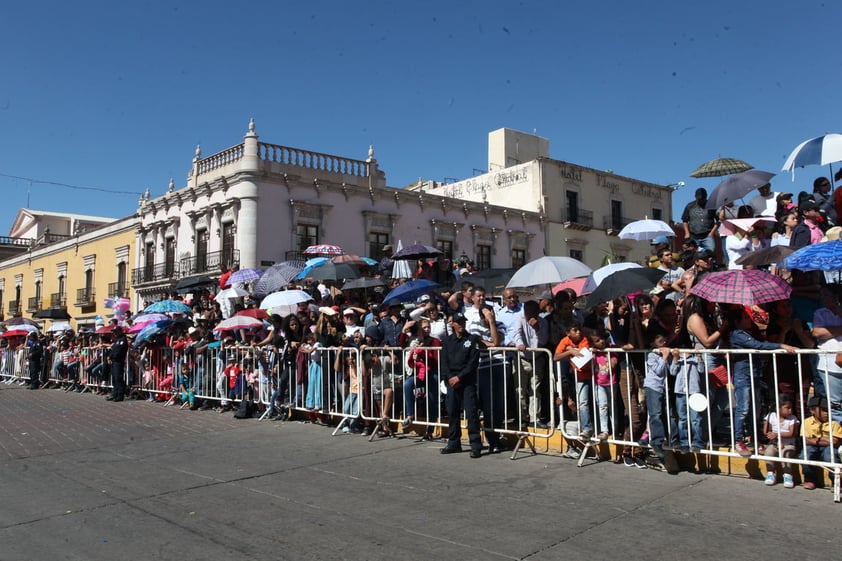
819,151
646,230
59,326
231,293
548,270
284,298
598,275
401,269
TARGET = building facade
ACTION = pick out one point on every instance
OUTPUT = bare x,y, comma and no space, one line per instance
75,273
256,204
581,209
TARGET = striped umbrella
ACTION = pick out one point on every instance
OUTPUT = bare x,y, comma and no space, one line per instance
323,249
745,287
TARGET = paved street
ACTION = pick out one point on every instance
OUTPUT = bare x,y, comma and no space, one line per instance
86,479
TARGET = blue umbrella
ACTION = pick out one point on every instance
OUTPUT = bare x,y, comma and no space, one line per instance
825,256
168,307
153,329
410,291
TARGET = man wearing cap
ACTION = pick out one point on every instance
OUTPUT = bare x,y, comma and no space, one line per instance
384,268
117,359
459,363
808,231
699,222
766,203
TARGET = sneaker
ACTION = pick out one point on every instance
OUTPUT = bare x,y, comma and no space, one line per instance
586,434
809,485
788,483
771,479
644,439
741,449
628,461
639,462
572,452
406,423
695,449
658,451
346,430
602,436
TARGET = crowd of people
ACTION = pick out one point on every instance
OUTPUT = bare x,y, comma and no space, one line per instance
624,370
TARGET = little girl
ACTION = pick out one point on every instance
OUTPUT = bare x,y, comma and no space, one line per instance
780,426
607,389
346,363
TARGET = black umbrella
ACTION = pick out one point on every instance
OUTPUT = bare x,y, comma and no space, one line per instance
363,282
334,271
187,284
625,282
52,313
765,256
493,280
416,251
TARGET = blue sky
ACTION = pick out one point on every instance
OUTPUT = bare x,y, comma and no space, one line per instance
115,96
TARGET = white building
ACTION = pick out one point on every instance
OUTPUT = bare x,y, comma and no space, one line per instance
581,210
256,204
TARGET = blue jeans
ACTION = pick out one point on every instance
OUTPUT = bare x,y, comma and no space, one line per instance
583,404
352,407
831,383
695,423
659,419
707,243
430,386
821,453
744,404
609,413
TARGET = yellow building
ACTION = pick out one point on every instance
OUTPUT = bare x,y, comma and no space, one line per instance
73,271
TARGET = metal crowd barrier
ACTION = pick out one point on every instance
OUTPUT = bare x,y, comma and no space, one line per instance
701,419
523,395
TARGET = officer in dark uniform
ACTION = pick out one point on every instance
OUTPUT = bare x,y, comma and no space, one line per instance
117,358
459,363
35,357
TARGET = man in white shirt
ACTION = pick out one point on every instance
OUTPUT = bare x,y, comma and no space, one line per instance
766,203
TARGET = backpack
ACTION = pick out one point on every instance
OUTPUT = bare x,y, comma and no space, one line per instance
245,410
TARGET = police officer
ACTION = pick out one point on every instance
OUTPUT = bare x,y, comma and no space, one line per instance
35,356
117,358
459,363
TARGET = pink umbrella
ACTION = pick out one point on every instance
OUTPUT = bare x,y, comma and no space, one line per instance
575,284
238,322
745,287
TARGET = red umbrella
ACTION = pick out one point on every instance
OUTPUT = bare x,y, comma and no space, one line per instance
255,313
16,333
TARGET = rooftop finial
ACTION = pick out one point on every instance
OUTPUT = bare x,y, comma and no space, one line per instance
198,151
171,186
371,157
251,125
147,194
